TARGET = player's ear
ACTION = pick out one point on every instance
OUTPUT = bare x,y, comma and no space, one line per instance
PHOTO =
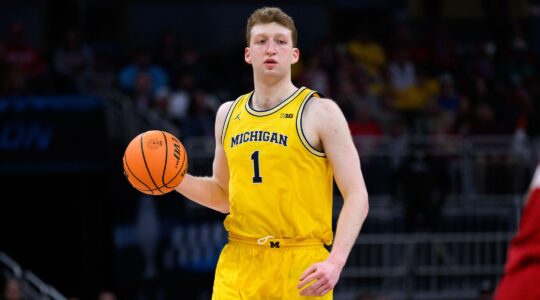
247,55
296,55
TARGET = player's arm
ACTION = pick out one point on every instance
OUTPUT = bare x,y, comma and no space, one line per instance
340,150
212,192
336,140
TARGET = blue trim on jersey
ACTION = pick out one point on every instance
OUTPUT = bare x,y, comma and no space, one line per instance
300,131
263,113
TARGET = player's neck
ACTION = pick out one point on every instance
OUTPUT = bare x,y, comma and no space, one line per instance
268,95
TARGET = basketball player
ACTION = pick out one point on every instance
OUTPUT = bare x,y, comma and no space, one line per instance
277,150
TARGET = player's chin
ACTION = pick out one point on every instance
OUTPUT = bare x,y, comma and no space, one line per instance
271,71
270,66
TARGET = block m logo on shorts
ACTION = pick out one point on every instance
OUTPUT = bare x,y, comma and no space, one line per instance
274,244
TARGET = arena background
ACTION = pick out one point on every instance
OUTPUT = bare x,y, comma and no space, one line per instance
442,98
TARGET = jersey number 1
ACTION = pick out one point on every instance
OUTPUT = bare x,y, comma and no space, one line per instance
255,158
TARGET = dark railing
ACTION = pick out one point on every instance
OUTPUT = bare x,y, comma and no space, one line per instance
32,287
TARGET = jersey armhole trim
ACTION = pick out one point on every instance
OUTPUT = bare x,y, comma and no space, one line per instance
300,130
228,118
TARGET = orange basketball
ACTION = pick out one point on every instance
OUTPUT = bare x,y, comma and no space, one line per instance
155,162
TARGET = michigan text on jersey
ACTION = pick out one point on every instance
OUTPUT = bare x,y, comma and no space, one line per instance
259,136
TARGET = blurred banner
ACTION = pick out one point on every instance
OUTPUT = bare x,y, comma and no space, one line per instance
58,133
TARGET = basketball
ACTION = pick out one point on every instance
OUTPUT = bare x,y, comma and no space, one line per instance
155,162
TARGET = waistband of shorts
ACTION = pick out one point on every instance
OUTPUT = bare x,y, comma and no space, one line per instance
271,242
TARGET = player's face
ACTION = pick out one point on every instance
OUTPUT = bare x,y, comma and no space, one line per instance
271,49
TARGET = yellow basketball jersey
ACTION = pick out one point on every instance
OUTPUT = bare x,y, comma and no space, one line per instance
279,184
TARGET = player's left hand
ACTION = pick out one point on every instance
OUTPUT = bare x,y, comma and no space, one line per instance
324,275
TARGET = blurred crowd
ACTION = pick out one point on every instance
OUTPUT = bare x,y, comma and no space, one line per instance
422,82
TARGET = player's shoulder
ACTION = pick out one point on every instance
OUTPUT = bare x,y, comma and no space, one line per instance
223,111
221,115
323,102
322,108
224,108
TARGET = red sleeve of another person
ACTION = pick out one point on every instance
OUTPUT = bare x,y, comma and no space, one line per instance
521,279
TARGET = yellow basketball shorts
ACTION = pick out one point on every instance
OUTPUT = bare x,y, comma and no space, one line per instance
271,271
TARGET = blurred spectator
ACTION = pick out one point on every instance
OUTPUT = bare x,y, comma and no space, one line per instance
167,52
415,102
347,70
517,103
402,71
464,117
449,98
366,96
180,98
13,290
102,80
326,51
200,119
415,50
367,53
347,98
364,124
484,122
516,65
444,50
142,95
142,62
21,63
482,90
106,295
73,62
421,183
483,64
162,99
444,125
190,62
17,52
315,77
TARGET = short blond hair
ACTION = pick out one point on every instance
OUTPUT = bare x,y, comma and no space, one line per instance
268,15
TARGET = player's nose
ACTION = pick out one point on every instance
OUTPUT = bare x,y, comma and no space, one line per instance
271,47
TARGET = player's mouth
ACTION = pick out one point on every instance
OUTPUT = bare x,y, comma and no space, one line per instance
270,62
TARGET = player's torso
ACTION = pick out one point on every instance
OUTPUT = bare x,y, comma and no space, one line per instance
279,184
